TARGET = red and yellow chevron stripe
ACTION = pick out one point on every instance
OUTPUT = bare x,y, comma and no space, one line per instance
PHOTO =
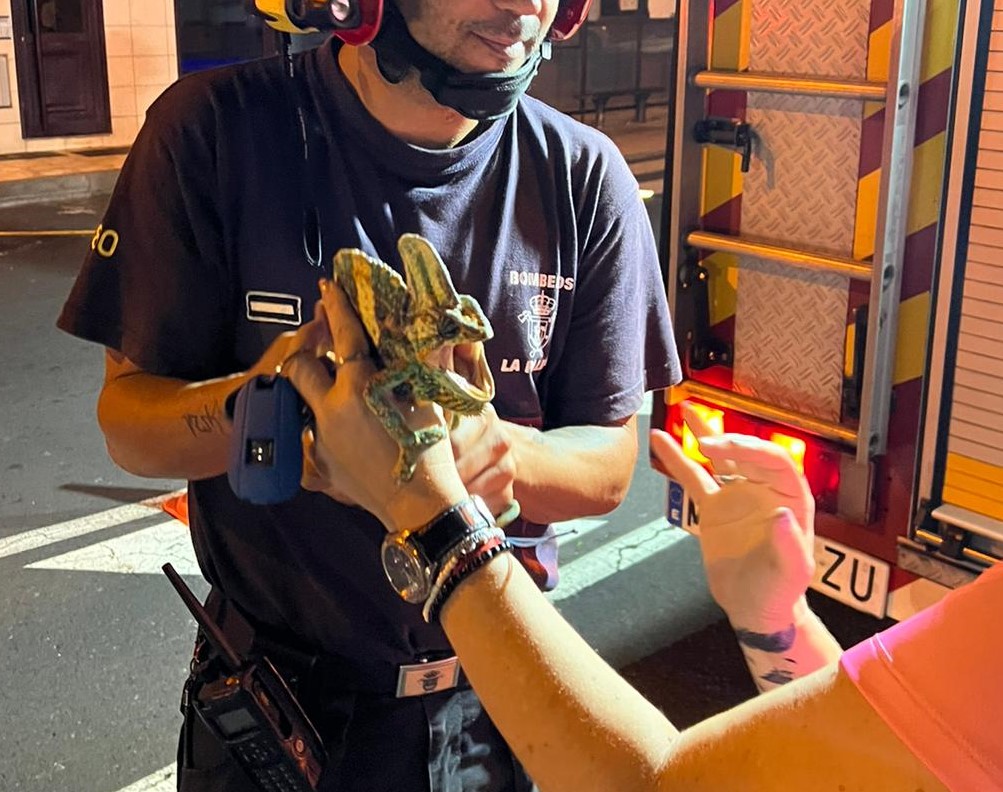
929,159
722,183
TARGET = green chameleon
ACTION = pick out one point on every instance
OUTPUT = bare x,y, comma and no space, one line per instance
414,327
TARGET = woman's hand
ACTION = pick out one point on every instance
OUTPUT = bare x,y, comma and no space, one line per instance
756,526
349,454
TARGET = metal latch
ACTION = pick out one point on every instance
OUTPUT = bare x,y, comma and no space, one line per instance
704,349
853,375
729,133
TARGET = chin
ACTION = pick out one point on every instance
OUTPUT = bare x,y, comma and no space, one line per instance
492,66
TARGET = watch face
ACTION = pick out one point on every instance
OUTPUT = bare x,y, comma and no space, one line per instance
406,573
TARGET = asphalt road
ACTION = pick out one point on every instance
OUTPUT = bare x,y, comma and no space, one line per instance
97,643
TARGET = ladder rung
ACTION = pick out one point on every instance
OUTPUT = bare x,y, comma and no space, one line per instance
726,243
969,553
790,84
759,409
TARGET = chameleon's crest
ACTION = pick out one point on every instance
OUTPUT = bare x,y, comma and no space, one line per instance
438,314
427,277
375,290
429,339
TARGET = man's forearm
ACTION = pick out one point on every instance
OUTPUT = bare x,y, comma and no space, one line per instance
167,428
574,471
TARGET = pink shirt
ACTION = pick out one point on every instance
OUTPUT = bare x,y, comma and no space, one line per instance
937,681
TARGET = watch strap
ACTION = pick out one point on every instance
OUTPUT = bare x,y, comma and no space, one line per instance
462,519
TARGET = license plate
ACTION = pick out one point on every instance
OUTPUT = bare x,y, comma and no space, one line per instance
682,511
851,577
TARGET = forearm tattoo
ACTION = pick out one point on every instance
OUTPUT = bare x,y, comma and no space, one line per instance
208,421
764,656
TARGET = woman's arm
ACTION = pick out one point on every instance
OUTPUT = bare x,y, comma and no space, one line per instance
577,725
757,543
817,733
570,718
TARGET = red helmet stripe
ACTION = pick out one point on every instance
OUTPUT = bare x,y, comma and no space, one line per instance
371,12
570,16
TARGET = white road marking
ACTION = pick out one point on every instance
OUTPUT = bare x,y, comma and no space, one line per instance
146,550
141,552
622,553
161,781
60,532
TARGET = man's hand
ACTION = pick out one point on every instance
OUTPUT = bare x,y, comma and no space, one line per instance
484,459
756,530
282,347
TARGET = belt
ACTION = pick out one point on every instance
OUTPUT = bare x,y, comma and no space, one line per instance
307,669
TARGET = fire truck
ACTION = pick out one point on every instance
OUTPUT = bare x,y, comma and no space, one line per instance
833,242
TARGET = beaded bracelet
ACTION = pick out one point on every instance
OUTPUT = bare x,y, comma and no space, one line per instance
478,559
456,554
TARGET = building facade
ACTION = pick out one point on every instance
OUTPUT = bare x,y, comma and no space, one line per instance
79,75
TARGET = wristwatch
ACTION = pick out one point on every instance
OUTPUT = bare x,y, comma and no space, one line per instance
411,559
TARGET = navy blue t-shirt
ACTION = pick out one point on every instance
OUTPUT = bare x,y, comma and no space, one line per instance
537,216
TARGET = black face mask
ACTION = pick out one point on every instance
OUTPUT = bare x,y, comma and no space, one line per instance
481,97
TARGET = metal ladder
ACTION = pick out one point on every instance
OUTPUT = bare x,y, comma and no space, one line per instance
686,240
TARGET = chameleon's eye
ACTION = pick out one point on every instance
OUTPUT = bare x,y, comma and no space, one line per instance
448,327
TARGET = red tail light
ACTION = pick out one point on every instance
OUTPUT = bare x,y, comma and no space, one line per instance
794,446
817,459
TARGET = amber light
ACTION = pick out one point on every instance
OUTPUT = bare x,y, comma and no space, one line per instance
817,460
713,418
794,446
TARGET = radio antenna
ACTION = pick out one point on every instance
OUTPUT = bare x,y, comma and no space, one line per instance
211,630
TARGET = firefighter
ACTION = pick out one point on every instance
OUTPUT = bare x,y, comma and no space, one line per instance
239,189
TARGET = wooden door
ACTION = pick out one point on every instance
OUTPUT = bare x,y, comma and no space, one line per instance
62,72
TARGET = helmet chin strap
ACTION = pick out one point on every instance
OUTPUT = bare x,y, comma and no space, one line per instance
481,97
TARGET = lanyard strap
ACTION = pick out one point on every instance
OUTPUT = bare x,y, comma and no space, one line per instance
312,160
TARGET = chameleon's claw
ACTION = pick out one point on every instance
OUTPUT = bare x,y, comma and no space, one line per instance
404,469
412,446
412,324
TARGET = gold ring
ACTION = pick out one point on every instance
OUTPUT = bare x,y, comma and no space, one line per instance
282,363
339,360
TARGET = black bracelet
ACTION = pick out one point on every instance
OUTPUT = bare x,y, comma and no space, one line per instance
450,585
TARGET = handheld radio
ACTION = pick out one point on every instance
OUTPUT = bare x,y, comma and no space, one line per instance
253,713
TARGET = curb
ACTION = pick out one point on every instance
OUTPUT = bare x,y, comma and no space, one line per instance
54,188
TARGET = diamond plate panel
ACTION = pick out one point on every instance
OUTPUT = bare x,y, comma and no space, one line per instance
789,337
810,37
801,189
